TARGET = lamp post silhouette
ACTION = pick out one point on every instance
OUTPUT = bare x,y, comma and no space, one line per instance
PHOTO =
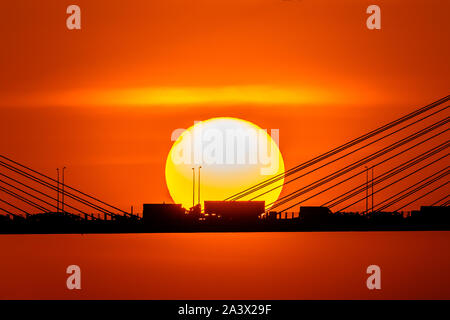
62,196
57,190
367,189
193,187
372,189
199,186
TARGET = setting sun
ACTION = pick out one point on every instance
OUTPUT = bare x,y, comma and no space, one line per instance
231,154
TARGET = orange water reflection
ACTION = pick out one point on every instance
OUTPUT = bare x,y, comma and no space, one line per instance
414,265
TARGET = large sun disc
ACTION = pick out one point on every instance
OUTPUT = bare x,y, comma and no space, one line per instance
230,155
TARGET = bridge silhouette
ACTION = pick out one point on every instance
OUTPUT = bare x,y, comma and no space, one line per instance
408,155
417,136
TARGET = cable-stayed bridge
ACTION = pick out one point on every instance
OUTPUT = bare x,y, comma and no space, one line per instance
36,192
409,156
399,165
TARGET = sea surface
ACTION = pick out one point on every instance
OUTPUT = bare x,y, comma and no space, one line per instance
291,265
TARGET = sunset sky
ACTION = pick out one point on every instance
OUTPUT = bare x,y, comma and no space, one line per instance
104,100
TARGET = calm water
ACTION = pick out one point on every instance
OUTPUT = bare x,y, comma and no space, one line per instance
414,265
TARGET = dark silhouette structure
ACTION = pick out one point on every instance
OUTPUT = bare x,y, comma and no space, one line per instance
235,211
315,215
163,214
173,218
32,202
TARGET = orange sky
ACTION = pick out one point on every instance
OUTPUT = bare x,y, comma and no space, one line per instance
100,100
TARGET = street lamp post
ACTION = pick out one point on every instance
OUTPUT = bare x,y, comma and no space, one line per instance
57,190
193,187
62,196
367,189
372,189
199,185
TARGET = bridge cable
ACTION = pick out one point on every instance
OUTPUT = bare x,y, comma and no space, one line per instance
345,146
